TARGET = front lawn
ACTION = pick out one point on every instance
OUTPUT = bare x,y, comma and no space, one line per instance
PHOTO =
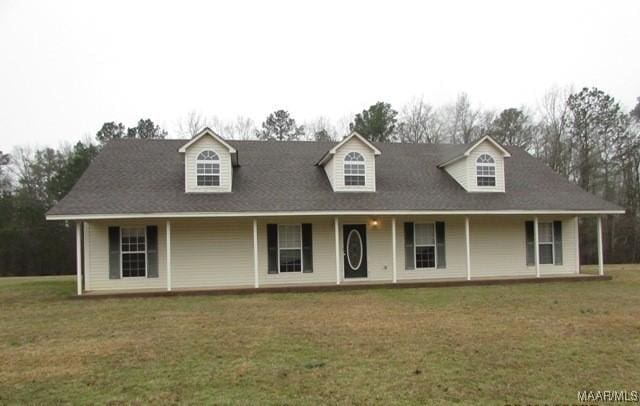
531,343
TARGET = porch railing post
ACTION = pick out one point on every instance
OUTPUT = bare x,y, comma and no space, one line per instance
256,276
168,236
79,257
600,254
393,250
536,249
468,247
577,231
337,237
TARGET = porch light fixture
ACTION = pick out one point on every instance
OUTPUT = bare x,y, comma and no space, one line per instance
374,222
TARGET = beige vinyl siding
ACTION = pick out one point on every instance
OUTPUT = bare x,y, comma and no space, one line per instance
354,145
191,155
498,246
458,171
485,148
208,253
96,247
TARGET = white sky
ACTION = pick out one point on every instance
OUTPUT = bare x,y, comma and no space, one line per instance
67,67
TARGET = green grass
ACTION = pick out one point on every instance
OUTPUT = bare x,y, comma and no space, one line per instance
535,343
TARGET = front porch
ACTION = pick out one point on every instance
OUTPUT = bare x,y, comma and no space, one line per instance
349,286
233,254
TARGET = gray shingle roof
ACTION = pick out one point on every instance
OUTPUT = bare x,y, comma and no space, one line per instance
147,176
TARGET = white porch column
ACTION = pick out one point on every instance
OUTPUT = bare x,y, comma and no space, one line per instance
468,248
600,255
577,231
256,282
168,236
536,249
393,248
79,256
337,233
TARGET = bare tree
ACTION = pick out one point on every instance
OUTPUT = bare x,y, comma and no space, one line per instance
191,124
244,128
222,127
419,122
320,129
22,158
552,140
5,179
342,126
461,120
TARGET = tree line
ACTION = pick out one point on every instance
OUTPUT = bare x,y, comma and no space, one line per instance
583,135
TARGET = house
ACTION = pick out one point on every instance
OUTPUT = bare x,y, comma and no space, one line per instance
208,213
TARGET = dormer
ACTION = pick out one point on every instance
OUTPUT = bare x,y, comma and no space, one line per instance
480,168
351,165
208,163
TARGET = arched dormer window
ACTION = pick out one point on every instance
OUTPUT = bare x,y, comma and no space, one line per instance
486,170
208,169
354,169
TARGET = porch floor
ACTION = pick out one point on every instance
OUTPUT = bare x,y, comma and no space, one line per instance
346,285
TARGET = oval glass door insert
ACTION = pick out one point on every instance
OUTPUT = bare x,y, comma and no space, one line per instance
354,249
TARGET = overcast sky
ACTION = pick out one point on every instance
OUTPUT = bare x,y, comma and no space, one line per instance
67,67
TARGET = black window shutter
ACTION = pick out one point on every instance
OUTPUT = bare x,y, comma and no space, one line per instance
272,247
557,242
440,248
409,260
529,234
114,252
152,251
307,248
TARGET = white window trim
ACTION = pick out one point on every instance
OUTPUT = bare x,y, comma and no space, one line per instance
146,259
301,253
552,243
434,245
364,167
486,165
208,161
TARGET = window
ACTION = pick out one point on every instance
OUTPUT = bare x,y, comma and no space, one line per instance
425,245
134,252
208,169
486,170
290,248
545,243
354,169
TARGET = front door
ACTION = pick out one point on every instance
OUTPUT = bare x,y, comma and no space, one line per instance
355,250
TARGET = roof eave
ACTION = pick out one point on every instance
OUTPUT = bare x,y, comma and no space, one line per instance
210,132
452,160
473,146
86,217
329,154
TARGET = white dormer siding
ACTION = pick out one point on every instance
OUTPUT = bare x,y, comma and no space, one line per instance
334,168
464,168
330,171
207,143
496,154
458,171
